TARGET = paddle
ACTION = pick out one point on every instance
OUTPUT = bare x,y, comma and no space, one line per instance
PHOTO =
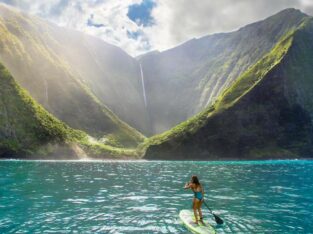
218,220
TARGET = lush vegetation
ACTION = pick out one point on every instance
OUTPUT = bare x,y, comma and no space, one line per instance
265,111
249,79
28,130
50,62
192,76
232,94
24,124
254,117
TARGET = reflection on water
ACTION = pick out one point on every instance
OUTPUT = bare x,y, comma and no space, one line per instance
145,197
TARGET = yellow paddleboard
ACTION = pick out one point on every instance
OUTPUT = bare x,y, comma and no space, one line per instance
188,219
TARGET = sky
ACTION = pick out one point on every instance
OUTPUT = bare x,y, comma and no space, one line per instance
139,26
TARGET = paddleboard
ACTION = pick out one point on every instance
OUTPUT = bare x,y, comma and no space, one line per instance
188,219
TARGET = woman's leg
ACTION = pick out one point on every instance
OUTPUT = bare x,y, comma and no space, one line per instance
200,211
195,207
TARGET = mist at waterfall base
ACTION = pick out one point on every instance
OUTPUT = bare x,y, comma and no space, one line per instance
146,197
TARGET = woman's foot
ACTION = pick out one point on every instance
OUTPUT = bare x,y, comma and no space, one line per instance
194,222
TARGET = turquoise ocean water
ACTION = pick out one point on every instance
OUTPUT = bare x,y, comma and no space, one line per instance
146,197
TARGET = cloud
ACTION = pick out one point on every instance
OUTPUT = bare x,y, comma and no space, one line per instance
138,26
92,23
181,20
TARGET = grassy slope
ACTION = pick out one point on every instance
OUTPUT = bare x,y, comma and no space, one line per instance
28,130
255,74
24,124
68,98
244,83
193,74
224,109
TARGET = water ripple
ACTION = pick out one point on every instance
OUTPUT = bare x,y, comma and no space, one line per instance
146,197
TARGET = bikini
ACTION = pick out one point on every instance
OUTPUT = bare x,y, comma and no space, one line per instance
198,195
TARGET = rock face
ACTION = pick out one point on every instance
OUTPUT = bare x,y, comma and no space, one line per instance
266,113
60,66
252,89
185,80
27,129
65,71
73,75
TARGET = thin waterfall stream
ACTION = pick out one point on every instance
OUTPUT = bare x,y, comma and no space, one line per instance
143,86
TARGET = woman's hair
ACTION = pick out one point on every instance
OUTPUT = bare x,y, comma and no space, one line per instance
195,180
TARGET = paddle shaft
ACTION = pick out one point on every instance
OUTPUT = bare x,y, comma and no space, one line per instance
208,207
218,220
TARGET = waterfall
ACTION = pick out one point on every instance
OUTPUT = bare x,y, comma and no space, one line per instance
143,86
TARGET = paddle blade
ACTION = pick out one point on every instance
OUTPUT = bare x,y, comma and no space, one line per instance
218,220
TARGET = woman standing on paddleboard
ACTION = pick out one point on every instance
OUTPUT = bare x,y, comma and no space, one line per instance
197,201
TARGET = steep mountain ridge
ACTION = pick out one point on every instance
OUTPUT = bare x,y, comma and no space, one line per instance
112,75
265,110
28,49
266,113
193,74
28,130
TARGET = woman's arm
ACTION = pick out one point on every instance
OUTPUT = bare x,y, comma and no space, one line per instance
188,185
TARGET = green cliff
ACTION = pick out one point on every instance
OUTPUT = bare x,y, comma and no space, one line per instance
37,55
266,113
26,129
194,74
